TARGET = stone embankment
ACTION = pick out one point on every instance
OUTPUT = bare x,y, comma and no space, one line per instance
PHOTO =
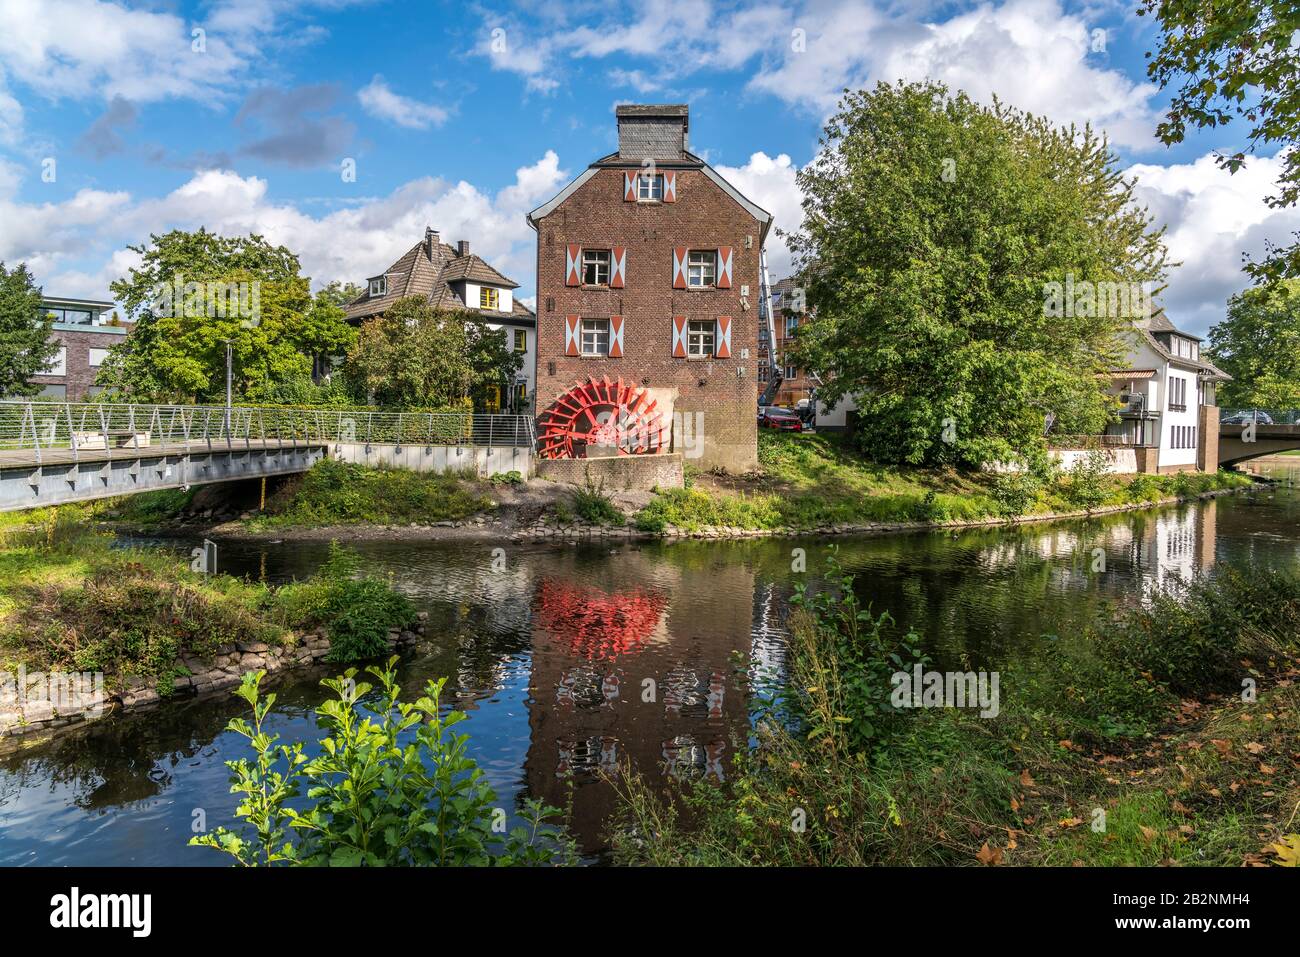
57,702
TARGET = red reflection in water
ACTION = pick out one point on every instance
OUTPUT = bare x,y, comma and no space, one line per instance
595,624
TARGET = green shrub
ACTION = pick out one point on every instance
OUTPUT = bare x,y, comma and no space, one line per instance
358,612
1087,485
343,493
393,785
363,612
842,661
1015,493
595,507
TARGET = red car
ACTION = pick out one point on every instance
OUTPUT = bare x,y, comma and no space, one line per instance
773,418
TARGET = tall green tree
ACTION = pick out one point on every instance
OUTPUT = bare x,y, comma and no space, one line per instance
26,346
177,352
1258,344
413,356
1235,60
933,229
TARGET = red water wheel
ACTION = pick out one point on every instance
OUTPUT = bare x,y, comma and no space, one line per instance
601,413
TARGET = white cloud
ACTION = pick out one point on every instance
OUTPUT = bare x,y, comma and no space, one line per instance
1030,53
93,49
60,241
1213,218
771,184
380,101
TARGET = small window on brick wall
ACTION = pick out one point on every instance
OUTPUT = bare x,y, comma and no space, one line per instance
650,187
700,337
701,268
595,337
595,267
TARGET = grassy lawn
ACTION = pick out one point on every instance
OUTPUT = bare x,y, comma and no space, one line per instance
815,480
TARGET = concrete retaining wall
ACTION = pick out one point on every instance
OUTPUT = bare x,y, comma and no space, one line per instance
1118,461
479,461
622,472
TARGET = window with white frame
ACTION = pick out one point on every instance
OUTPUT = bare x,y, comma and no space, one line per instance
595,337
650,187
762,372
379,286
699,337
595,267
701,266
791,325
791,372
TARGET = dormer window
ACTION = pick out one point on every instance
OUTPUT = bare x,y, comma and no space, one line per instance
379,286
489,298
650,188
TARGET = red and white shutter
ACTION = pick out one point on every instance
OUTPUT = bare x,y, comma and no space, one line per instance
722,349
680,254
629,186
572,335
724,267
617,267
573,266
679,337
670,186
615,337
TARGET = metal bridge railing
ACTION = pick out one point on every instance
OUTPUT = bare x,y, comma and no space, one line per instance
107,428
1259,416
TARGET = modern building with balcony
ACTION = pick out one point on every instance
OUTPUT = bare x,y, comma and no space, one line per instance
85,329
1167,394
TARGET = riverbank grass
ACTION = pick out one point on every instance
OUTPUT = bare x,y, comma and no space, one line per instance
341,493
71,600
1168,734
818,480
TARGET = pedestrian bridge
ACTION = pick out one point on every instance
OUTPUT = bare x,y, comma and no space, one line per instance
53,453
1252,433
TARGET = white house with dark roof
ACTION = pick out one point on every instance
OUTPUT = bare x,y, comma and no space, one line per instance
1167,390
453,279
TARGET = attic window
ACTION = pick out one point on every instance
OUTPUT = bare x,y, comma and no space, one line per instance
379,287
650,187
489,298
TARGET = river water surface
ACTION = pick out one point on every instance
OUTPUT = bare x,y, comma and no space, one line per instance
577,658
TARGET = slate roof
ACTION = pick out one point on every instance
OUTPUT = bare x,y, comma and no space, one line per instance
429,268
1159,323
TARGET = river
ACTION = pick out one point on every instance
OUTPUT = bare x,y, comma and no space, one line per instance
569,659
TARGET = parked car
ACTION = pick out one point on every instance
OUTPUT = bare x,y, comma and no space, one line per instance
1241,418
774,418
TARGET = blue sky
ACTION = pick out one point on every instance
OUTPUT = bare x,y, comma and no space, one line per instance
464,116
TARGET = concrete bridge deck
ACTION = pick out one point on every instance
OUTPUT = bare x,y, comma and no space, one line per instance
1240,442
64,475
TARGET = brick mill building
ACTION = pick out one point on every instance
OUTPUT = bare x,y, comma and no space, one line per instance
648,294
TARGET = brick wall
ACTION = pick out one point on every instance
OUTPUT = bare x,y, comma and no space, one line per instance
621,472
79,376
704,217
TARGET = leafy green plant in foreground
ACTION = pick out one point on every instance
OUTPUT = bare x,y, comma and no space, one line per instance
392,786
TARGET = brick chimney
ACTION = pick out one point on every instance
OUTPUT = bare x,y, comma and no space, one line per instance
462,247
652,131
431,240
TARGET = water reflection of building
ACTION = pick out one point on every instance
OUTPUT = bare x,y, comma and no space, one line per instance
635,666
